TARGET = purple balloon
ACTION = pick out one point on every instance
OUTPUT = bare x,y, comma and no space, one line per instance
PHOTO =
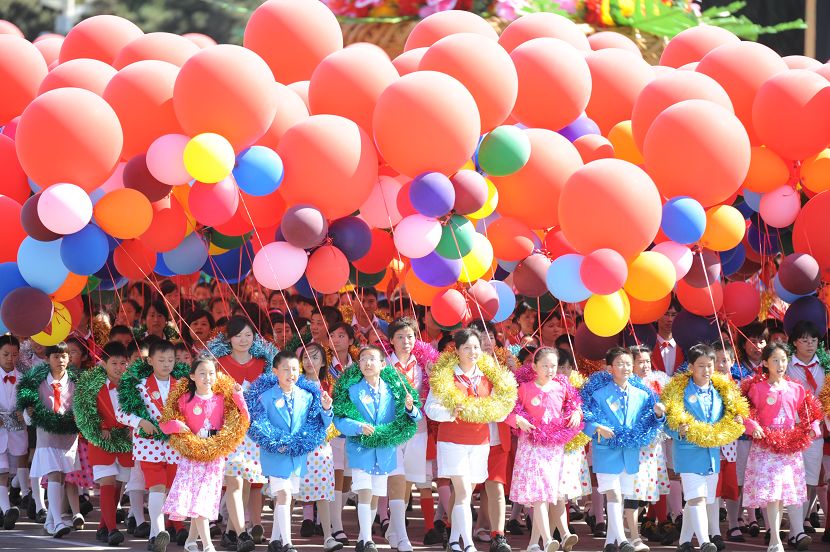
437,271
304,226
698,277
26,311
690,329
643,334
352,236
592,346
765,243
432,194
807,308
582,126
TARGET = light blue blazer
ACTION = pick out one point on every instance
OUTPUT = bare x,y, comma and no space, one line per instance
281,465
373,460
608,459
691,458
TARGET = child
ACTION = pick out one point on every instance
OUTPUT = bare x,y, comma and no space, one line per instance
208,415
366,402
548,414
14,439
141,396
183,354
775,475
725,363
45,393
623,416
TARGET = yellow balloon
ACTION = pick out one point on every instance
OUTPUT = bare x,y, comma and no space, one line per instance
58,328
625,147
725,228
489,205
216,250
468,166
651,276
607,315
209,158
478,261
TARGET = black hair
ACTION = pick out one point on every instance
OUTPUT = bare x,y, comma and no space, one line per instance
113,349
565,357
769,349
158,306
804,328
134,304
641,349
160,346
345,327
235,326
331,316
463,336
445,340
56,349
132,348
698,351
283,356
191,384
542,351
756,330
361,291
146,292
725,348
120,329
525,353
484,326
82,346
674,303
399,324
373,348
303,299
167,286
320,349
564,339
9,339
614,353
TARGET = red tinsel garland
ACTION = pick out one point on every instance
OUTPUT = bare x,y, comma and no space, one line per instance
555,432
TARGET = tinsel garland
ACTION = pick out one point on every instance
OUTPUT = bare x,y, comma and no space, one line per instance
274,440
700,433
645,428
580,440
171,332
425,355
225,441
787,441
824,394
477,410
297,341
44,418
129,398
502,354
556,431
88,419
392,434
220,346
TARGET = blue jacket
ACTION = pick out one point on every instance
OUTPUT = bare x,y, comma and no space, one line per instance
372,460
273,400
613,459
691,458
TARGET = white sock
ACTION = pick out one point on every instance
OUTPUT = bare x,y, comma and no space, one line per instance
4,499
615,532
713,517
365,519
155,503
276,534
37,493
397,519
55,492
796,514
457,522
137,505
284,517
467,528
337,512
23,480
688,529
700,522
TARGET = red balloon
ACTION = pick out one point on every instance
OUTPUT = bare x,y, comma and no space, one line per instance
470,191
168,227
13,233
13,181
810,230
802,62
705,271
529,276
379,256
30,221
22,69
69,135
799,273
49,48
402,201
293,36
511,239
238,225
593,146
617,78
226,90
138,177
700,301
556,244
441,24
134,260
167,47
291,109
300,88
694,43
213,204
100,37
408,62
264,211
482,300
9,28
741,303
609,39
543,25
200,40
603,271
327,270
90,74
449,307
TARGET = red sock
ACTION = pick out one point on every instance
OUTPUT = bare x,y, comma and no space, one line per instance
494,534
108,507
659,510
177,524
428,511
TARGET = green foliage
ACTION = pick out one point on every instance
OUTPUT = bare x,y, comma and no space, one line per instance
29,15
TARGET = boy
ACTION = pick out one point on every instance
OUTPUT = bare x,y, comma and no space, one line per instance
667,356
14,439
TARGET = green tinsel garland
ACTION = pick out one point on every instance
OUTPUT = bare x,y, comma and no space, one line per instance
44,418
129,398
297,341
88,419
397,432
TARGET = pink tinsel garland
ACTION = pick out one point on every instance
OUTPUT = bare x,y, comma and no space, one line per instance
555,432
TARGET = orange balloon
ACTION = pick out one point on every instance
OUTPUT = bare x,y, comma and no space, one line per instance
408,62
767,171
300,88
592,147
554,83
50,48
100,37
426,121
621,137
91,74
226,90
741,68
419,292
293,37
694,43
531,193
348,83
69,135
607,190
22,69
511,239
71,287
646,312
124,213
815,172
668,90
715,150
802,62
725,228
483,67
133,260
609,39
704,301
617,78
167,47
441,24
291,109
330,163
168,227
543,25
142,96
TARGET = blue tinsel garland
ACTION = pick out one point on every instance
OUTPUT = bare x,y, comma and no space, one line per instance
645,428
276,441
220,346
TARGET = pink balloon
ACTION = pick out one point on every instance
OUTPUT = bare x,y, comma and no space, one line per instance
116,180
779,208
213,204
279,265
609,39
680,256
380,210
417,236
603,272
165,159
409,61
802,62
64,208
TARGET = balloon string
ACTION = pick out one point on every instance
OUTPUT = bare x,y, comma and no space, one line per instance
711,297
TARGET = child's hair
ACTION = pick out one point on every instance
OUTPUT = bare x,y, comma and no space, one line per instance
641,349
525,353
563,340
191,384
132,349
236,324
360,292
281,357
725,348
614,353
144,289
134,304
181,346
320,350
545,351
483,326
330,315
343,326
698,351
84,348
8,339
56,349
444,342
113,349
161,346
120,329
372,348
399,324
565,357
158,306
167,287
804,328
771,348
463,336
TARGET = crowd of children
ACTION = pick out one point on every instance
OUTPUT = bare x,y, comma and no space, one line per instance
208,405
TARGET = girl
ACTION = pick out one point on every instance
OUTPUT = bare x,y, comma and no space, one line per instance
783,421
548,415
198,410
81,479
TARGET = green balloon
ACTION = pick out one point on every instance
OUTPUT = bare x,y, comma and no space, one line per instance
362,279
456,238
228,242
504,151
91,284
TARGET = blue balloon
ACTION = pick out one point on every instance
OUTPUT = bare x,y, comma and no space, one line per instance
108,272
34,187
732,260
232,266
508,266
745,209
437,271
482,224
753,200
563,279
352,236
805,308
161,269
684,220
259,171
582,126
507,301
188,256
109,285
40,264
304,289
432,194
762,241
85,251
10,279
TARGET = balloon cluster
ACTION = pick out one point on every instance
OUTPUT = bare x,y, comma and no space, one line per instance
539,162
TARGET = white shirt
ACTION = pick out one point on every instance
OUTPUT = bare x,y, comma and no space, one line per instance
164,388
668,353
797,370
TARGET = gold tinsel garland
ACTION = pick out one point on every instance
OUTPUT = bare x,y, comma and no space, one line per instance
580,440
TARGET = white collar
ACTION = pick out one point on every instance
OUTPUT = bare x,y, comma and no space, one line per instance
63,381
476,372
796,362
671,341
393,359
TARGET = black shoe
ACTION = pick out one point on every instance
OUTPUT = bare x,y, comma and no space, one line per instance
10,518
341,537
433,536
131,525
685,547
735,535
626,547
590,521
753,529
115,538
41,516
808,526
815,521
802,543
648,529
358,547
31,508
610,547
275,546
244,543
499,544
351,502
151,543
670,534
14,496
575,513
257,532
24,501
514,527
101,534
318,530
717,540
120,516
722,514
181,536
289,548
708,547
215,530
600,530
125,499
142,531
86,505
229,540
161,542
369,546
307,528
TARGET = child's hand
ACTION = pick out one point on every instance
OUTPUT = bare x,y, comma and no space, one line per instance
148,428
237,388
183,427
105,433
410,402
739,420
458,410
30,410
758,434
605,432
367,429
523,424
682,430
659,409
326,401
575,418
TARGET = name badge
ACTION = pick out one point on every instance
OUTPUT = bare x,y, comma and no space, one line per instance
693,399
367,399
156,395
615,406
197,410
280,403
535,401
771,399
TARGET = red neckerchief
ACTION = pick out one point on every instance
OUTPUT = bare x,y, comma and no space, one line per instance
106,407
408,370
153,387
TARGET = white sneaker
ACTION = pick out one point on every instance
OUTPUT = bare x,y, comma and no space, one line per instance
552,546
191,546
49,527
569,542
534,548
404,546
640,546
331,545
391,538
